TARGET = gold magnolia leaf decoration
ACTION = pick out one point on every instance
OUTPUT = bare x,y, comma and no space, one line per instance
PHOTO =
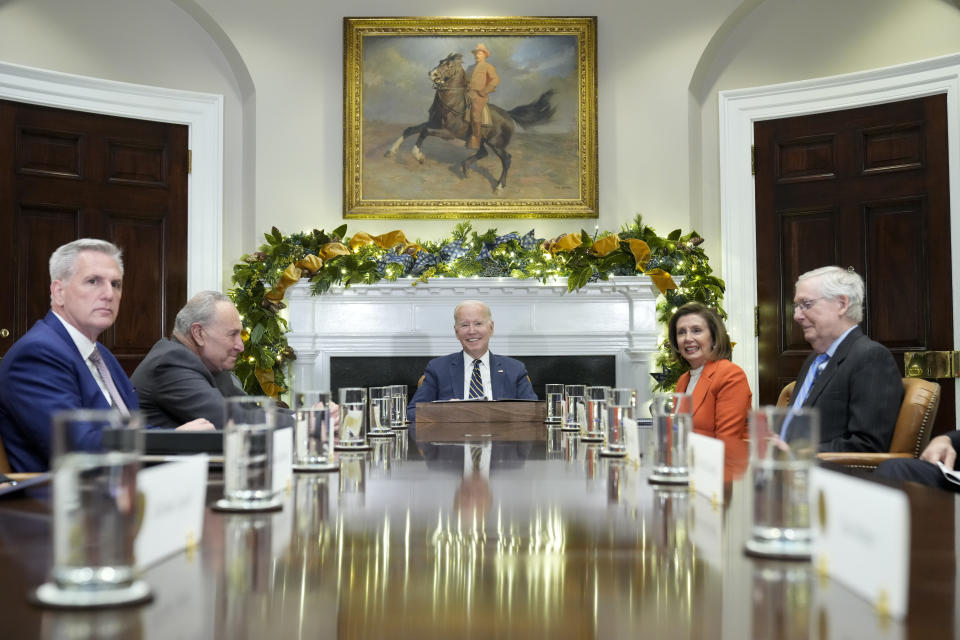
640,251
266,380
662,279
289,277
333,249
565,242
310,264
606,244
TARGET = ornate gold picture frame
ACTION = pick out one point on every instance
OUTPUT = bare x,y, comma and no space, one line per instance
410,95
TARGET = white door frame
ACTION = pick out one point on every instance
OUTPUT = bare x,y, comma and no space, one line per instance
201,112
740,108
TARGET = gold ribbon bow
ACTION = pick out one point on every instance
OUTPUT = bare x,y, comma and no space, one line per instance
641,254
305,266
266,380
565,242
606,245
384,240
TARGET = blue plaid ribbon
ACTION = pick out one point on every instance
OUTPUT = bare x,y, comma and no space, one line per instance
529,241
404,260
452,251
423,262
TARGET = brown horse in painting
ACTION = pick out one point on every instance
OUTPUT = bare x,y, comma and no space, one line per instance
448,113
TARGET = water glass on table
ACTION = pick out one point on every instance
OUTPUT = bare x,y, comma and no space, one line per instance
596,423
313,436
381,406
248,455
620,407
574,407
96,510
398,406
352,433
783,448
554,393
672,424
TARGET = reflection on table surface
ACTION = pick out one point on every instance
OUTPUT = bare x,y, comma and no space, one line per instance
541,539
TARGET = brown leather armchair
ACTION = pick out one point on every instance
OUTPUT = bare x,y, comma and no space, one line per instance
921,400
4,464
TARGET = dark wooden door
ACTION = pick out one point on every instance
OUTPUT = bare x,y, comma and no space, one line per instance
865,188
67,175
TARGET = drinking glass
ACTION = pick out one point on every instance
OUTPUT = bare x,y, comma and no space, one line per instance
96,513
313,432
574,408
353,423
596,423
381,405
398,406
554,393
672,424
783,447
248,455
620,405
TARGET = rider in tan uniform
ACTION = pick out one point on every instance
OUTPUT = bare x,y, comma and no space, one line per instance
483,81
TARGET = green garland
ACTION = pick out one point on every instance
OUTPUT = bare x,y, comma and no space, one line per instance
466,253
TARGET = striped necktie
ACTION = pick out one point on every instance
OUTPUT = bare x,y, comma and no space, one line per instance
115,398
476,382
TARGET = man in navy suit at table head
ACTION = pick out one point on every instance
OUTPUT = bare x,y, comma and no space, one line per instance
58,364
473,372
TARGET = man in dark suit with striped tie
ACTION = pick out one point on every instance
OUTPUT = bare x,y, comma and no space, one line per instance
473,372
851,379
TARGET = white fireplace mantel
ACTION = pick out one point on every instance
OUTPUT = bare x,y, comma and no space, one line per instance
614,317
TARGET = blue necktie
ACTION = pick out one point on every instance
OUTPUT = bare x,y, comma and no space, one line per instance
476,382
819,364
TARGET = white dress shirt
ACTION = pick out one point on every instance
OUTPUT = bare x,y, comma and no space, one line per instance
85,347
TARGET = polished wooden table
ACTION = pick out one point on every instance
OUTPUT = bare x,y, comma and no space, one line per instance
553,541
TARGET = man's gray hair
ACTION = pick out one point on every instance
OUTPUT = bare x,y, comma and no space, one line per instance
63,261
200,308
471,303
837,281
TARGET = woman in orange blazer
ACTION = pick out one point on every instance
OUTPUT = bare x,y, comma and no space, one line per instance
721,394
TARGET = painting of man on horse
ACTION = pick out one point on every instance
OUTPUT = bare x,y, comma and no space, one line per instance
461,112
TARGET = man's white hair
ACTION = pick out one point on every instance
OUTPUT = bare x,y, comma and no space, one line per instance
63,261
472,303
837,281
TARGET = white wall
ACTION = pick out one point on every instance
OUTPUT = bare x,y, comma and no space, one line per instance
660,65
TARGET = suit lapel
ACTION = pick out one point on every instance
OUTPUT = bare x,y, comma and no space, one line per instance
832,365
496,378
456,374
703,385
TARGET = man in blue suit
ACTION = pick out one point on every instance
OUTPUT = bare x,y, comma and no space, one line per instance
59,365
473,372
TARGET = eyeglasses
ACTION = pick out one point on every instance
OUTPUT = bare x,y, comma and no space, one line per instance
806,305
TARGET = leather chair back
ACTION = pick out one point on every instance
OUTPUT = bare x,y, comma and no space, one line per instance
4,463
911,434
921,400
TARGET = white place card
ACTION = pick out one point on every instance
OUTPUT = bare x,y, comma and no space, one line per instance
282,459
631,438
706,467
174,495
706,531
862,538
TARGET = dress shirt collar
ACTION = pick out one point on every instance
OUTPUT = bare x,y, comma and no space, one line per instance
485,359
84,346
836,343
